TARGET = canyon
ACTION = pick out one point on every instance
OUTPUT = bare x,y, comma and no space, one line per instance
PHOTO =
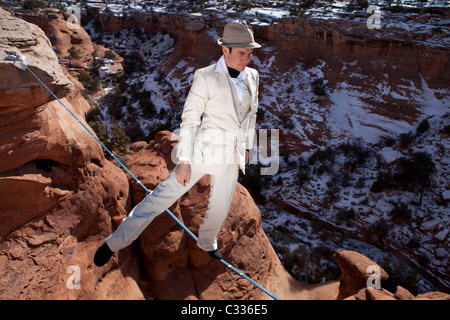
63,196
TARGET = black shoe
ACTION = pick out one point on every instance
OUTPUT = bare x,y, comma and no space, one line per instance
102,255
215,254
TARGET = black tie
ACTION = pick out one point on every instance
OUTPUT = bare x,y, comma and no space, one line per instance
233,72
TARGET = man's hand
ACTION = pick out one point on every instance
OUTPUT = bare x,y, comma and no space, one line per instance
183,173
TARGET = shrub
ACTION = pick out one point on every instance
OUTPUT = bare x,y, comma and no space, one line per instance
356,152
332,194
322,155
384,181
132,65
398,7
134,131
346,216
32,4
73,54
307,3
319,87
413,174
147,106
110,55
246,4
260,114
303,173
423,126
100,130
400,213
424,260
254,182
406,139
380,230
93,114
414,243
357,5
416,170
117,141
89,83
446,130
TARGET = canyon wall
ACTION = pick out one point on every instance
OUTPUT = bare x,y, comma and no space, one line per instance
57,189
301,38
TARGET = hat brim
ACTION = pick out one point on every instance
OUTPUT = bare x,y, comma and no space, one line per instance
252,45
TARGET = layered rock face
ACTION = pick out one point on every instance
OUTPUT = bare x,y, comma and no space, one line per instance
58,191
21,90
374,63
71,43
310,39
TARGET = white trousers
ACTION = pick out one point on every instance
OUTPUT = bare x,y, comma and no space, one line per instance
166,194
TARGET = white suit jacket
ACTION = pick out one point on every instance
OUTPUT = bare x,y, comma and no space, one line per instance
211,135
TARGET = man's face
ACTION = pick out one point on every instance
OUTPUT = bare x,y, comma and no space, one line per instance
238,58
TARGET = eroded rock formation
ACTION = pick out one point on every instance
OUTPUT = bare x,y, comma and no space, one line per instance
61,198
58,191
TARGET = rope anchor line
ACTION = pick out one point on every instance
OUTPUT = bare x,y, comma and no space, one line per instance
14,56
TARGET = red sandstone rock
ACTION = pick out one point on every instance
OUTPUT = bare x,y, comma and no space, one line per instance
354,267
20,90
433,295
180,270
63,38
58,191
373,294
403,294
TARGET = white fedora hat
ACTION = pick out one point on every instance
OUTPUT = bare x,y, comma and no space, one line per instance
238,35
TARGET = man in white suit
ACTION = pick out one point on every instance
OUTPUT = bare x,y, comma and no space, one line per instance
216,132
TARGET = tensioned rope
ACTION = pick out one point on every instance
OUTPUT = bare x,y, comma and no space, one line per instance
243,275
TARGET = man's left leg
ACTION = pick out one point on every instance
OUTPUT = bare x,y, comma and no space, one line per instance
221,193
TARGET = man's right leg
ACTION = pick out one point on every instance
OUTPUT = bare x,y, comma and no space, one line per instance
164,195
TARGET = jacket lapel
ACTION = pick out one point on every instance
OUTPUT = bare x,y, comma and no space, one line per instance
224,86
253,89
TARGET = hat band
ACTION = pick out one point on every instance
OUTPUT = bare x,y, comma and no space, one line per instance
253,44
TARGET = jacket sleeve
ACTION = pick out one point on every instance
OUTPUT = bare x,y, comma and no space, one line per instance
191,117
252,121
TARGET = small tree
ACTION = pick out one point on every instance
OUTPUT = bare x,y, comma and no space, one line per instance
117,141
73,54
423,126
319,87
416,172
90,84
32,4
110,55
147,106
400,213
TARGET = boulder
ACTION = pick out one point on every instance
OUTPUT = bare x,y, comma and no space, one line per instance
355,270
373,294
433,295
403,294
